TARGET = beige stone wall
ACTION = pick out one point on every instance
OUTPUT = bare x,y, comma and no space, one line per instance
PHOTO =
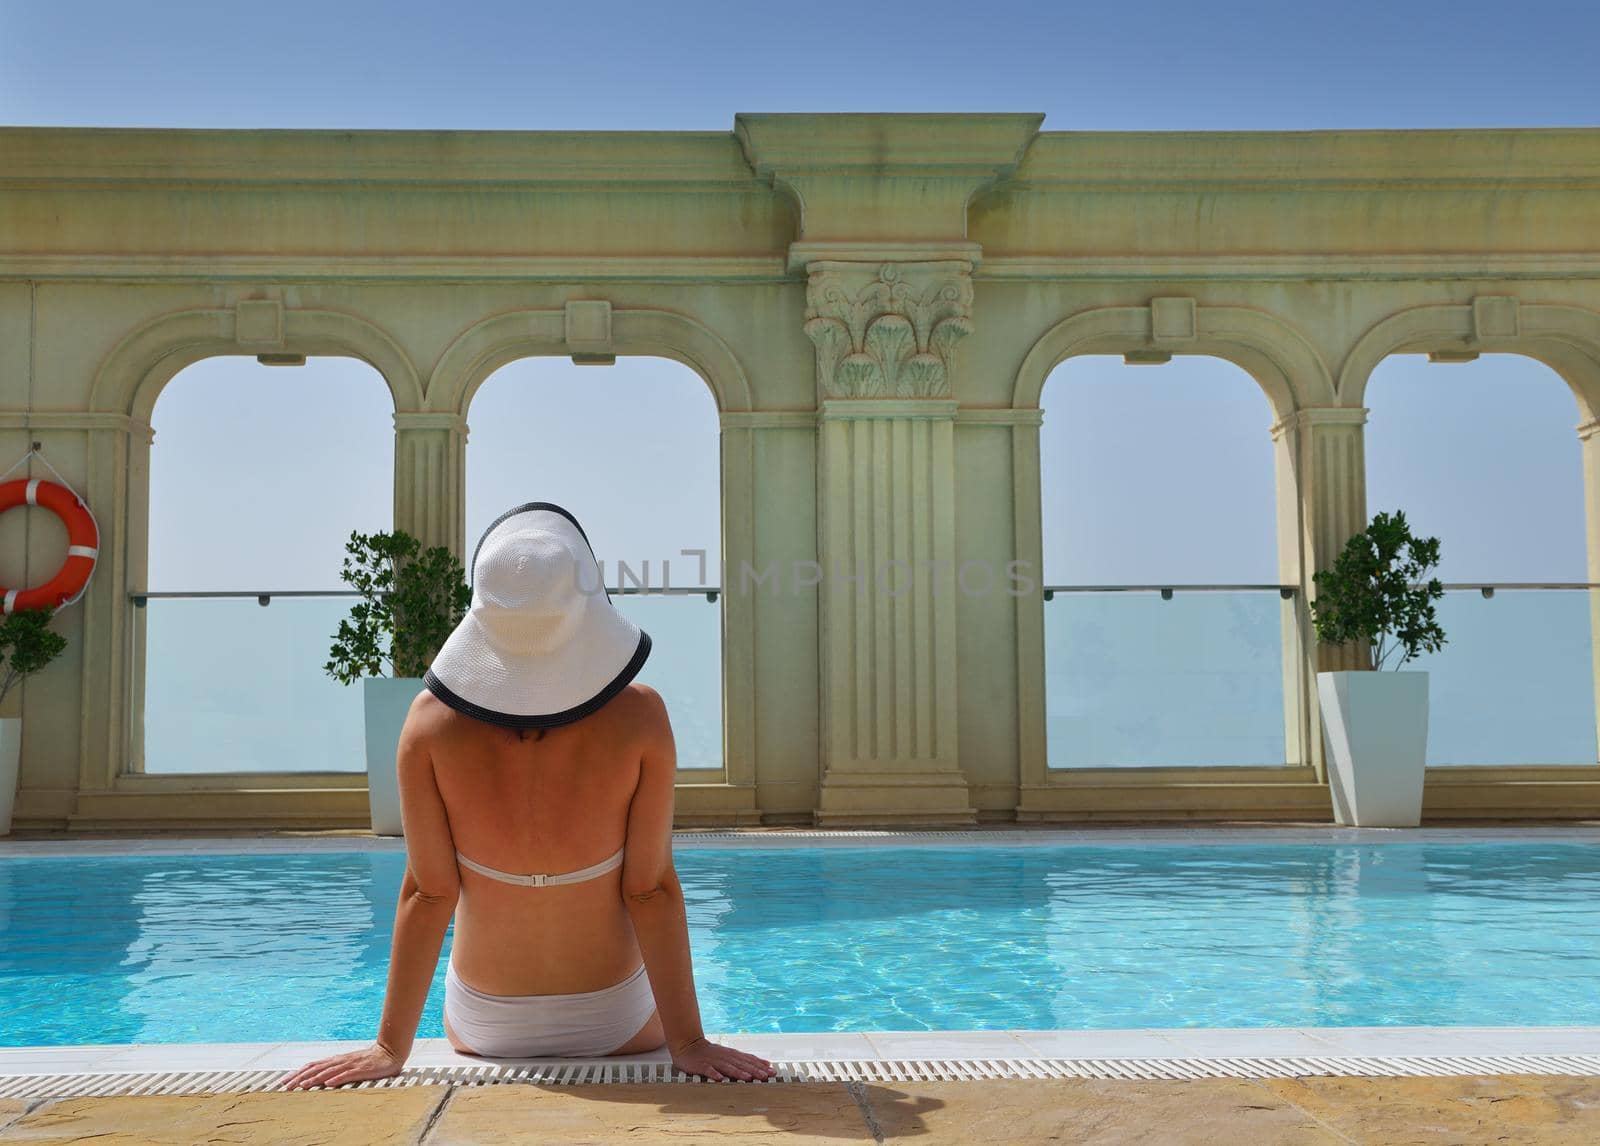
875,303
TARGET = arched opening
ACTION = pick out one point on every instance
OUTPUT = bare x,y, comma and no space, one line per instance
633,451
258,475
1167,638
1483,455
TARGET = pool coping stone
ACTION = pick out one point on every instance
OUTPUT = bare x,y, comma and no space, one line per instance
1196,1044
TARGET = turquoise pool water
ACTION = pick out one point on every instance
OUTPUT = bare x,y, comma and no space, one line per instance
242,948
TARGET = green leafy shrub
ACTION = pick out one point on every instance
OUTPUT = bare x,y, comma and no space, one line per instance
27,644
411,600
1376,593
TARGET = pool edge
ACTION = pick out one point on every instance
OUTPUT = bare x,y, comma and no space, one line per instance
891,1056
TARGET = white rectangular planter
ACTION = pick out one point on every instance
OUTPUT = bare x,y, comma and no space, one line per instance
386,701
10,764
1375,730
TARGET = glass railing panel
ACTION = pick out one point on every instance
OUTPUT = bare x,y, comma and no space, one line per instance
230,686
1514,683
685,666
1136,680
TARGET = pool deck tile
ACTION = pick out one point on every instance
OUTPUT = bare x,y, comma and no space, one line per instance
12,1109
1092,1110
302,1118
1522,1109
823,1112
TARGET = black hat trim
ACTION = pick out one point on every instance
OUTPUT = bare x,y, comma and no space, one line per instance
544,720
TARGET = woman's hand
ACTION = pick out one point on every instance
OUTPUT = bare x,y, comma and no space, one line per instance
720,1063
375,1061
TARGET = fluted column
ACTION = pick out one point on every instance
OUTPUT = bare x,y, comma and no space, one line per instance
430,479
1322,502
1589,435
884,335
1326,448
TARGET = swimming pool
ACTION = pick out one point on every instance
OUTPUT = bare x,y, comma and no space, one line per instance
257,947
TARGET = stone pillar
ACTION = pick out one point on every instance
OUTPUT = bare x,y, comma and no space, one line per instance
1589,435
430,484
884,336
1322,502
116,486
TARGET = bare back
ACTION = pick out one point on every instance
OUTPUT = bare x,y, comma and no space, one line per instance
552,803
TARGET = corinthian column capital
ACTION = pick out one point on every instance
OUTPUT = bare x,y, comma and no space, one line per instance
887,329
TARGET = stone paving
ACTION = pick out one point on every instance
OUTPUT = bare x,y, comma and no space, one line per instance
1521,1109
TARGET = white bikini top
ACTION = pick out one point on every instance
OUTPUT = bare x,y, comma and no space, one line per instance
579,876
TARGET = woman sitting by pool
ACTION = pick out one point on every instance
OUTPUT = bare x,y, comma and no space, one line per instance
532,750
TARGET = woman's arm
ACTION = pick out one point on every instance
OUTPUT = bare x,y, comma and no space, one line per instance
428,896
655,904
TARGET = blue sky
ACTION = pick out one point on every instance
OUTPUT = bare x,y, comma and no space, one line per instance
1483,455
689,64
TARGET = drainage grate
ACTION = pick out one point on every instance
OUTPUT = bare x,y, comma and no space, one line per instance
854,1070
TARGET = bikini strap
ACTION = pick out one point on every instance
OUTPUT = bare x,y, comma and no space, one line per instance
579,876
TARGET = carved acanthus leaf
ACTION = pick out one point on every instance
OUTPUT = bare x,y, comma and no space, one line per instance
887,330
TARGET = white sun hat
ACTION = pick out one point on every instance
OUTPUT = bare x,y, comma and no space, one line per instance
542,643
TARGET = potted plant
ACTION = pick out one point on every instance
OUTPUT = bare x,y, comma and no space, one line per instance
411,600
1379,596
27,644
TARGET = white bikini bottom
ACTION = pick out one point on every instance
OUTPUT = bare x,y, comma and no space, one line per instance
585,1025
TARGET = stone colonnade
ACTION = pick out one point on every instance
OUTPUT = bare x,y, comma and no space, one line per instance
875,302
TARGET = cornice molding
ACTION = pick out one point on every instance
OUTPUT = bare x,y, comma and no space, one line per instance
895,178
111,267
1476,158
1298,267
59,156
962,254
784,145
428,268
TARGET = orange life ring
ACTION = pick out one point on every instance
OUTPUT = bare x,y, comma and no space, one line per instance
83,543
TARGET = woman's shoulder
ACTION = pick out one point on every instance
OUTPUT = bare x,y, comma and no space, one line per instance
643,705
642,693
428,713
